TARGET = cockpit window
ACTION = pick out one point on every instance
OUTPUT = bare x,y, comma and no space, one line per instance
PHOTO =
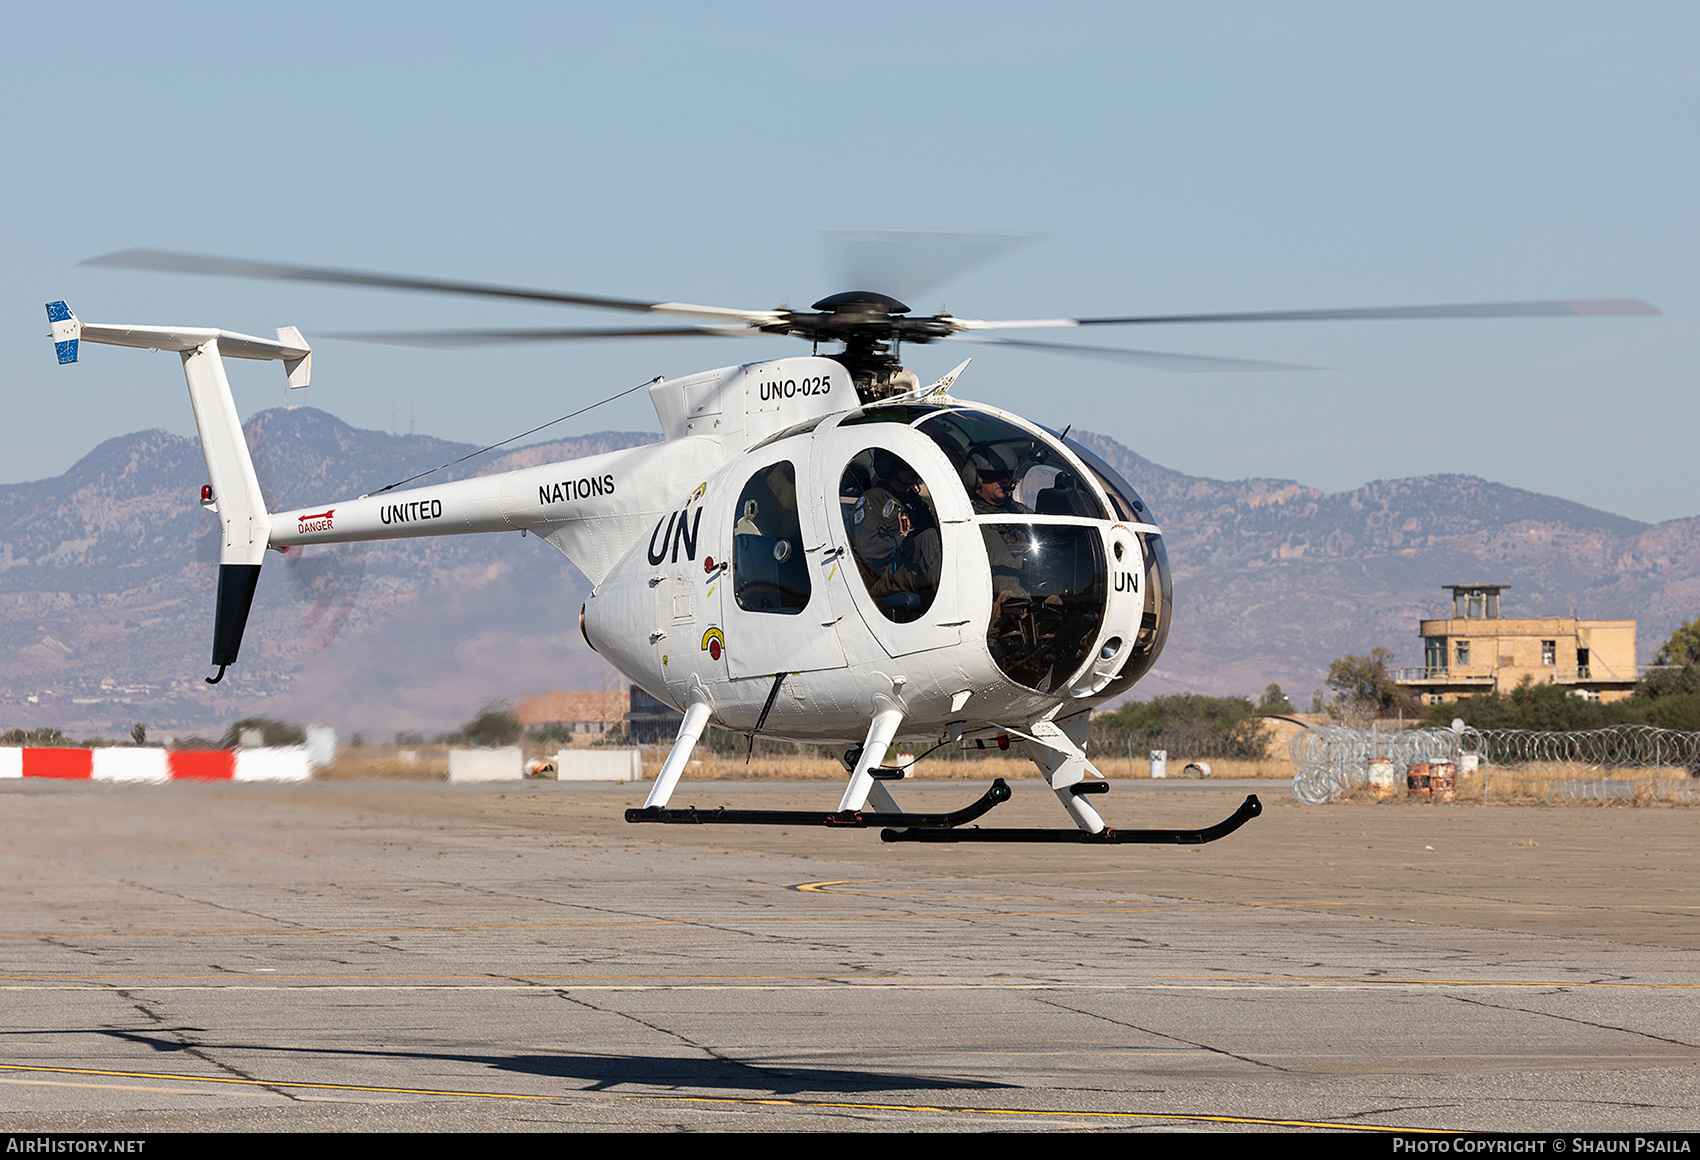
893,531
1009,471
1049,589
769,571
1129,507
799,429
889,413
1058,491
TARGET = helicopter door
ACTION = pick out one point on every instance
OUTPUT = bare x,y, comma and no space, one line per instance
896,540
675,628
677,603
773,605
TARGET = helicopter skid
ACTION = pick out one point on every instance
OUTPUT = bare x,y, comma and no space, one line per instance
1248,810
838,819
907,827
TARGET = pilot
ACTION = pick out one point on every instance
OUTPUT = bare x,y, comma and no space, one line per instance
894,532
991,481
990,476
904,483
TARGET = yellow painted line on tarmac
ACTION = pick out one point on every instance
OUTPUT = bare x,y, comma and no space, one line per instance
511,981
793,983
747,1101
113,1087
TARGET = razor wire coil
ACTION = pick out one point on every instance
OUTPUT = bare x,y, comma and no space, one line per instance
1332,759
1615,747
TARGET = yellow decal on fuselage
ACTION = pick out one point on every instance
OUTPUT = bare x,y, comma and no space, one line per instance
713,643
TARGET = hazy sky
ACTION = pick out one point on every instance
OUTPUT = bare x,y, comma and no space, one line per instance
1170,158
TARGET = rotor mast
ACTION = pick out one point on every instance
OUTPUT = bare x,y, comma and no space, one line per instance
872,327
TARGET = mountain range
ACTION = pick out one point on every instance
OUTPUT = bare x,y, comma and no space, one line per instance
1274,579
107,580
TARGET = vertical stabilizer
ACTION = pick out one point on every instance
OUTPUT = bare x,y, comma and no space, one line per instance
233,492
236,494
236,584
236,491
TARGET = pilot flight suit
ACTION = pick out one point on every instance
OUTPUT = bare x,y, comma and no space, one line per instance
1006,566
895,562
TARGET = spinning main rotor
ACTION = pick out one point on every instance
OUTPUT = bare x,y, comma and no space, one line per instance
871,325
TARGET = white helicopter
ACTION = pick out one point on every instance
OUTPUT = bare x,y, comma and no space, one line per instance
821,550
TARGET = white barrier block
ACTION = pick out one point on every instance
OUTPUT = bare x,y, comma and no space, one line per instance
599,765
283,763
485,765
124,764
321,745
11,762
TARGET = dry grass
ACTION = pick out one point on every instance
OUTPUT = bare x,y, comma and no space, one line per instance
1641,786
431,763
1550,771
1551,784
1557,785
1220,768
707,766
385,762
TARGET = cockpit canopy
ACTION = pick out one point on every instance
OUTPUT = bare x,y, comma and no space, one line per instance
1041,502
1005,469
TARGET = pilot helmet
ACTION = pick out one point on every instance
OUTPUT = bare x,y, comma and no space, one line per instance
990,463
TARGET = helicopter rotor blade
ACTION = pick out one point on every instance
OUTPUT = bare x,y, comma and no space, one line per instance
908,263
1570,308
1156,360
180,263
446,339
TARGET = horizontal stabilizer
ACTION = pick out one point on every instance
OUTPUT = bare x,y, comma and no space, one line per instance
288,347
185,338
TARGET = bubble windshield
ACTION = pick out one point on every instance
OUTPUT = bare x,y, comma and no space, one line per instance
1049,588
1009,471
1128,505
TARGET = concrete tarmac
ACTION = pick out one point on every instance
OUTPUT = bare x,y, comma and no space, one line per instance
388,955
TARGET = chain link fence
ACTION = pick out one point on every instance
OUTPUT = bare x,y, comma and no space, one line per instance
1131,749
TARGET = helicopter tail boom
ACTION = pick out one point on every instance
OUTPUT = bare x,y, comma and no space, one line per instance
591,510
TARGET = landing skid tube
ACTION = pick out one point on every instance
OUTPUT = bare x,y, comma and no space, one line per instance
1248,810
839,819
906,827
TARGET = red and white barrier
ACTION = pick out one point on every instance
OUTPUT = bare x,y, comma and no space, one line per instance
287,763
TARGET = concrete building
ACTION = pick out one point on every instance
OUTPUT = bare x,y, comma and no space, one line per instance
1476,650
586,716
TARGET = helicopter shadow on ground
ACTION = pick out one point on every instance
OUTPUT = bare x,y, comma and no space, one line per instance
603,1071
